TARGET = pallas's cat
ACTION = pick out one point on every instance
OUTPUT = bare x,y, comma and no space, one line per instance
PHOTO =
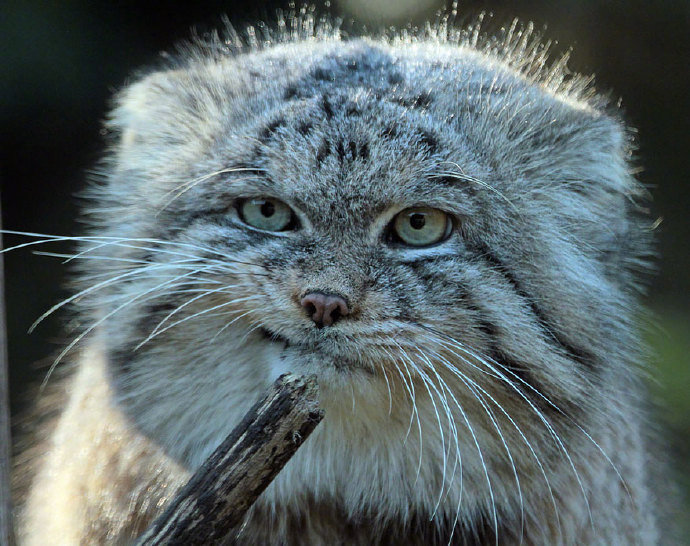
441,226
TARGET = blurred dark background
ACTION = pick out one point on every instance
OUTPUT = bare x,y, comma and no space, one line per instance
61,61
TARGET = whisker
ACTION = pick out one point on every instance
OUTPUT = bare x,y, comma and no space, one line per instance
120,242
415,412
70,257
190,317
388,385
445,387
449,418
473,387
109,281
467,178
99,322
557,439
233,321
186,186
258,324
483,462
207,292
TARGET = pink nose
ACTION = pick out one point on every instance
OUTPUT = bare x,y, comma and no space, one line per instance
324,309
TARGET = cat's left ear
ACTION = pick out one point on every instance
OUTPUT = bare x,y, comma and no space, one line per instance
579,170
576,148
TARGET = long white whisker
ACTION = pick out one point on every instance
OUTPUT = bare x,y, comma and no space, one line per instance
465,177
109,281
449,343
255,327
473,387
458,459
207,292
69,257
186,186
410,390
119,242
388,385
100,321
449,418
230,323
190,317
484,466
415,412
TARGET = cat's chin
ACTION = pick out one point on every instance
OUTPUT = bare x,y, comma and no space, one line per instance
327,359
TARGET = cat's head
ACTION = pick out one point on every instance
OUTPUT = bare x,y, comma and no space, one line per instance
409,221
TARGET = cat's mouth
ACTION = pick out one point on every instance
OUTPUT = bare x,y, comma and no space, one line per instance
277,338
274,337
334,352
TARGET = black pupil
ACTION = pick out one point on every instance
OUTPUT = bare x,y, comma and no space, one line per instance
267,209
417,220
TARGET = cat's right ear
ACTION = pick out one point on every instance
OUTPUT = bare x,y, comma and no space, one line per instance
144,112
161,120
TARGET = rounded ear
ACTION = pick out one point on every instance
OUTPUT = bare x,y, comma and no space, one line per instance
583,174
140,108
166,116
584,148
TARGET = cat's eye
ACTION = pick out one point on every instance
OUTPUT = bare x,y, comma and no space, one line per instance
421,226
266,213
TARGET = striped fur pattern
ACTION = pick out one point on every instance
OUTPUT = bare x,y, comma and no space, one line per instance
483,390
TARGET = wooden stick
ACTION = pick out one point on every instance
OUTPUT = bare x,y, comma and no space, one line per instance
218,495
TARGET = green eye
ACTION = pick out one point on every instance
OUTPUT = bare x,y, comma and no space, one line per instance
266,213
421,226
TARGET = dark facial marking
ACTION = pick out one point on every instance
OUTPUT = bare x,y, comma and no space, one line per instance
290,92
182,220
514,373
267,132
346,151
395,78
321,74
389,133
272,336
352,64
353,149
304,128
363,151
352,110
322,152
340,150
520,384
121,359
420,101
428,140
326,107
453,182
579,355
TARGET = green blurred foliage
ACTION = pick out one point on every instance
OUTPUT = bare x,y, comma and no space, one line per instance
669,340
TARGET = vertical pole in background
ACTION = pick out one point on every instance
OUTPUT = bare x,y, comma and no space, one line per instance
6,534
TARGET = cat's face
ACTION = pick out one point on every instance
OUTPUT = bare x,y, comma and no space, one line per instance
469,222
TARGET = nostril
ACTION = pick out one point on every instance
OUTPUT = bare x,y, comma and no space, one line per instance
324,309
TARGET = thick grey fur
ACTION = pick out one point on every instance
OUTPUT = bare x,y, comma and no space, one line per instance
482,390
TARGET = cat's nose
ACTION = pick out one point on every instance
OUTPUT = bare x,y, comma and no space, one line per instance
324,309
